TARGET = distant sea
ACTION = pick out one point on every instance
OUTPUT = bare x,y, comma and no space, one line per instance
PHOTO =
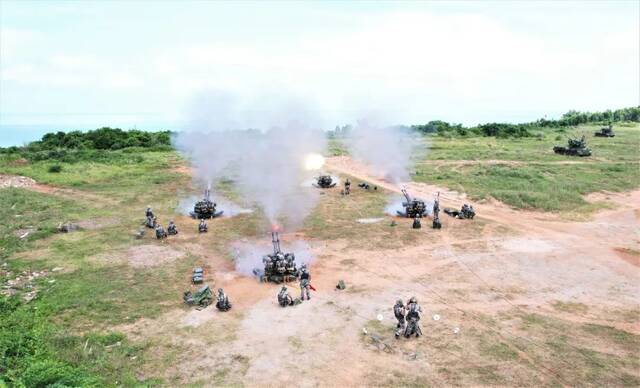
20,134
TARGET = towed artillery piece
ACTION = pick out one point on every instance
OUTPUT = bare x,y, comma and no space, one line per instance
202,298
575,147
325,182
206,208
466,212
279,267
413,207
605,132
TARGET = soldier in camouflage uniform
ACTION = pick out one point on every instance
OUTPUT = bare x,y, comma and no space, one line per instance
347,187
399,311
436,213
290,266
160,232
202,227
148,212
416,223
222,303
305,282
151,222
171,228
281,268
413,318
284,299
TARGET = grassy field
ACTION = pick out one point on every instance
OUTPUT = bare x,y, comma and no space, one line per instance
65,333
525,173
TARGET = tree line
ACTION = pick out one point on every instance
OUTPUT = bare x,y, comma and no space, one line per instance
568,119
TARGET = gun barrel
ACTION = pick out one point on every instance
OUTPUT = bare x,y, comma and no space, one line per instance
406,195
276,242
207,194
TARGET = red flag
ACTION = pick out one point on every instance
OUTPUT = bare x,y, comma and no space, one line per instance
311,287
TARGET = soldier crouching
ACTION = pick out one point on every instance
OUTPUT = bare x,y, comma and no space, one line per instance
284,299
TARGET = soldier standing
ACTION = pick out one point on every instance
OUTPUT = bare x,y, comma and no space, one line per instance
223,301
202,228
436,213
148,213
413,318
399,311
305,282
347,187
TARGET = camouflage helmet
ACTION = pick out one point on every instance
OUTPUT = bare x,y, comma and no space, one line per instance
413,300
399,301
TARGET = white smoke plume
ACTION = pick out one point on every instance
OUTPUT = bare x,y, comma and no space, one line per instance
266,163
185,206
385,149
248,257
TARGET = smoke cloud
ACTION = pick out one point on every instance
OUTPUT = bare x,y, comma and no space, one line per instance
385,149
266,163
248,257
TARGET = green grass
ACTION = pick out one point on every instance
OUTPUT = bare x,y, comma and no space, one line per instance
525,173
62,336
335,217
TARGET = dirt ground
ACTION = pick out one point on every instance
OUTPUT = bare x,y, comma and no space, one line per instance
469,275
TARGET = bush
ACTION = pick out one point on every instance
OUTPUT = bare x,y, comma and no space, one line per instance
568,119
55,168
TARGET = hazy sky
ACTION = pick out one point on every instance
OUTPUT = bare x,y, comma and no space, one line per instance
140,63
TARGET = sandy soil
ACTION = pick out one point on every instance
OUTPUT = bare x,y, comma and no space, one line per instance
503,261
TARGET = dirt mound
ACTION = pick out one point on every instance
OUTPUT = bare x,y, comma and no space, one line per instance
151,255
15,181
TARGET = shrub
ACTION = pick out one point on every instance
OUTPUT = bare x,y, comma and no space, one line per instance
55,168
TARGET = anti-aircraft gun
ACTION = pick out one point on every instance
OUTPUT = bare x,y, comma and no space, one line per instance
205,208
202,297
279,267
575,147
605,132
325,182
413,207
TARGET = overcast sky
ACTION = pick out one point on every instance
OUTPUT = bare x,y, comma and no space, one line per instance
141,63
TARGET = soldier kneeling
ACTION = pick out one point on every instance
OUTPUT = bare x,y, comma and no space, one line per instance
223,303
202,228
160,233
284,299
172,229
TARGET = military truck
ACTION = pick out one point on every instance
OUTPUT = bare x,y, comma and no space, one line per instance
206,208
202,298
279,267
413,207
605,132
575,147
325,182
